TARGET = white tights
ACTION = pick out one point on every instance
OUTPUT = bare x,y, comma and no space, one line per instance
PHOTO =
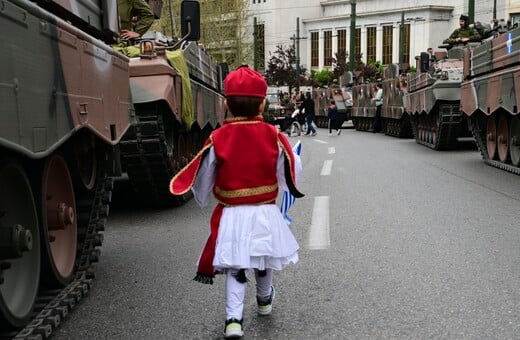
235,291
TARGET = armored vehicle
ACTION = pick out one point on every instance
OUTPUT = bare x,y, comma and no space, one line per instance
491,99
322,97
433,99
395,120
177,91
65,105
363,107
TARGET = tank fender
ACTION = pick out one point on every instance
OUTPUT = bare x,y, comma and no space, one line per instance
158,88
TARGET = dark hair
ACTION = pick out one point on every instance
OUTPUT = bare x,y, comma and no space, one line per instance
465,18
241,106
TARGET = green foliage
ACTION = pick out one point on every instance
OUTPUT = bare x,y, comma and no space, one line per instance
281,68
322,78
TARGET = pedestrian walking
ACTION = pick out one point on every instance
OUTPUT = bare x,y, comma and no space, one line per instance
308,106
332,114
379,105
244,164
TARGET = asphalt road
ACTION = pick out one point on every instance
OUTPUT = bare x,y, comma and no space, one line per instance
397,242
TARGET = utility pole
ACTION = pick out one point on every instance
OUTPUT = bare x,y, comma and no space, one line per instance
351,55
494,9
298,55
255,46
296,40
401,41
471,11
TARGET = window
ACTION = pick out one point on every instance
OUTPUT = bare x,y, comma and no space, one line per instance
406,43
371,44
387,44
314,49
342,40
357,47
327,48
260,45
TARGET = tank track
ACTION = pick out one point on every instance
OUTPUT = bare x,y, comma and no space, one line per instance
480,140
449,128
145,158
53,305
400,128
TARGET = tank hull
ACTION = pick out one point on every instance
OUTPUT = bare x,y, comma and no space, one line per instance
65,106
433,103
491,98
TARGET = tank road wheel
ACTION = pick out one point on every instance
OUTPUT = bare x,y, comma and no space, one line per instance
491,137
84,145
59,220
502,139
514,141
19,247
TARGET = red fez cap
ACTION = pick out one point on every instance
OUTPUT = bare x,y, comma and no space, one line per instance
244,81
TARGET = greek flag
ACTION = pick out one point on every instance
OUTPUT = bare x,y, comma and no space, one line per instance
288,199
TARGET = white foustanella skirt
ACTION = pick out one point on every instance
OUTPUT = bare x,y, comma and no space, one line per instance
254,236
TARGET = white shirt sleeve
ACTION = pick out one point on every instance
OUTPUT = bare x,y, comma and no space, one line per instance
203,187
280,169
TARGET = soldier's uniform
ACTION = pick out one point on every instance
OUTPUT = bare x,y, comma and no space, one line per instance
135,8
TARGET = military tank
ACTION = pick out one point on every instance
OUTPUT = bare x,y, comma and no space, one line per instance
65,105
343,98
490,98
395,120
433,99
363,107
177,91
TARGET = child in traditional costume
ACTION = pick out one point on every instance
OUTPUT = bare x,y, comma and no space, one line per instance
244,164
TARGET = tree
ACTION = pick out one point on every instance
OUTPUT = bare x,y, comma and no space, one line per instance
222,26
281,68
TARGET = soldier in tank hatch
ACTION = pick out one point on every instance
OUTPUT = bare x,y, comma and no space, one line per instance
135,17
464,33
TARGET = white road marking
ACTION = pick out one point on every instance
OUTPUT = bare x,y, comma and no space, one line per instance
319,233
327,167
332,150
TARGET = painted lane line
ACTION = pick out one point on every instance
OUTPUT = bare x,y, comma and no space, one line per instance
327,168
319,233
332,150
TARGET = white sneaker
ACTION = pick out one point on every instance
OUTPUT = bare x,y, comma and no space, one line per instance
330,133
314,134
265,305
339,132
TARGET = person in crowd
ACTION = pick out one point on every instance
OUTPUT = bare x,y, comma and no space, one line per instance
464,33
332,114
244,164
135,18
378,99
308,106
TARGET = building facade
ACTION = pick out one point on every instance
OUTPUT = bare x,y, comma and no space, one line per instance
386,31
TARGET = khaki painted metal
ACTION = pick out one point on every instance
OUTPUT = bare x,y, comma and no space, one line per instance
362,104
55,80
394,89
493,69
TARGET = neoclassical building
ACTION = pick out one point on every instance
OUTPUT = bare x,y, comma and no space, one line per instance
387,31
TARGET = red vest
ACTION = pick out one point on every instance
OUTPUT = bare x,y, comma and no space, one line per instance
247,152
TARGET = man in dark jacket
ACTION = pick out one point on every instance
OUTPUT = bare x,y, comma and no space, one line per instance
308,106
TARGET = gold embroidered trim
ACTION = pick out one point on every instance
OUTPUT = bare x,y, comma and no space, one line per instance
246,192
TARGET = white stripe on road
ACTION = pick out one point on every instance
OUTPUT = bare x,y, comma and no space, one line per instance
332,150
327,167
319,235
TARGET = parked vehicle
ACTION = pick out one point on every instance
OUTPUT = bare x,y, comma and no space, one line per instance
433,99
65,106
395,120
490,98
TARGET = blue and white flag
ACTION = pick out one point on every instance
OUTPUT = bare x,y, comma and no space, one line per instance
288,199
